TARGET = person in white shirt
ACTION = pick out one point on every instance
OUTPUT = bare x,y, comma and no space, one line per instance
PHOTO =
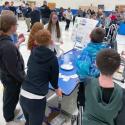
68,15
56,32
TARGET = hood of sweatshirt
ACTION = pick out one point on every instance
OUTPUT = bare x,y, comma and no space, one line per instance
42,54
93,48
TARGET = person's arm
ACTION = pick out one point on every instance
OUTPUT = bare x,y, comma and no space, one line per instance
61,39
54,75
10,60
83,64
120,120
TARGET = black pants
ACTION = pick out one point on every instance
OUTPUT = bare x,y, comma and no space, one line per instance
10,100
34,110
67,24
81,95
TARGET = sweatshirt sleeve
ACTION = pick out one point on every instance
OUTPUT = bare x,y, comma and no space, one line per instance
120,120
10,59
61,39
83,64
54,75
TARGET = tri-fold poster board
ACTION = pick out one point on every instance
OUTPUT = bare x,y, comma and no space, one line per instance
82,30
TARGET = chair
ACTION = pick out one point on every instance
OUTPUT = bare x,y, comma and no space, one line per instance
111,36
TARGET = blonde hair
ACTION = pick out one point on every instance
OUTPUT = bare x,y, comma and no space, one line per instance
7,12
35,28
43,37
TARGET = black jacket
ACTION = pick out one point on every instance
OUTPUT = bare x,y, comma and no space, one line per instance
35,16
11,62
43,69
13,9
27,12
45,11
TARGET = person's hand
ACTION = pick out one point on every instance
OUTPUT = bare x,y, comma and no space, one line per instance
21,38
52,43
61,42
59,92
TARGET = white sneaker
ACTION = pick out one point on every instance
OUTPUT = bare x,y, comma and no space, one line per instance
15,123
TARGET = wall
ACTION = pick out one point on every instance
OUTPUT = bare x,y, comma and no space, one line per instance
74,4
109,4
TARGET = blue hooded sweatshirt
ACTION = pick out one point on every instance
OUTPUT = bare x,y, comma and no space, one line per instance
86,62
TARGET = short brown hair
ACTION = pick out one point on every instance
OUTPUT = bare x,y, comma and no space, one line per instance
6,3
43,37
97,35
35,28
6,22
108,61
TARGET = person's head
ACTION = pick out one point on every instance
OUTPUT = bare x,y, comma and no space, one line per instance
8,24
93,16
35,28
12,3
97,35
7,12
69,10
43,38
6,4
54,21
45,2
80,9
27,5
108,62
33,7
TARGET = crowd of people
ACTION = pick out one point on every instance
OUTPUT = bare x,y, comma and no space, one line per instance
95,66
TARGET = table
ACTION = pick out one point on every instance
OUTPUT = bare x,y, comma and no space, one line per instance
68,86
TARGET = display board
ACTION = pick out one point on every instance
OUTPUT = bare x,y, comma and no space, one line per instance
82,29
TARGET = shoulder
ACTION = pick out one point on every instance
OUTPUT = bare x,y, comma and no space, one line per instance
46,26
91,82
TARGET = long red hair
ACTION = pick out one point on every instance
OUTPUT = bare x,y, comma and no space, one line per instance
35,28
57,25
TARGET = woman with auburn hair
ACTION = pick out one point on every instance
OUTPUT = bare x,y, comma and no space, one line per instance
56,33
35,28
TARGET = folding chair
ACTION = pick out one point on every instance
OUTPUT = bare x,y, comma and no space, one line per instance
111,36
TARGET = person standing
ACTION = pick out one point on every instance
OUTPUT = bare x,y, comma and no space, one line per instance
80,13
68,15
56,32
61,11
13,8
6,6
27,16
11,68
35,15
45,13
43,68
84,13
